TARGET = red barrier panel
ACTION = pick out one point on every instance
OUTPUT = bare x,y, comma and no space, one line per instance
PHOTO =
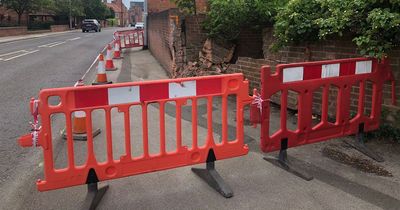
306,78
141,94
325,79
130,38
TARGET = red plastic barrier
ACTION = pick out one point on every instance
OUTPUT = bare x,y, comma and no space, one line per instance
305,79
142,94
130,38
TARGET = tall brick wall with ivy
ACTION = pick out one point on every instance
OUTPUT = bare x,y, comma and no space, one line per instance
330,49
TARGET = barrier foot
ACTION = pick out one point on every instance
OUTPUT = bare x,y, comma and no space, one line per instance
94,196
212,177
80,137
102,83
282,162
359,145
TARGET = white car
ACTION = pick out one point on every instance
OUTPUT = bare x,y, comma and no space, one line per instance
139,26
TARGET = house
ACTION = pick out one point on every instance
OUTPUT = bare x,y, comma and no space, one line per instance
121,11
9,17
136,11
155,6
135,14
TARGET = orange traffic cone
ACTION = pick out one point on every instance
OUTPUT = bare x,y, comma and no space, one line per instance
117,51
109,61
101,78
79,132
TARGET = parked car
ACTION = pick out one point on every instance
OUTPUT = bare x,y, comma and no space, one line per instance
91,25
139,25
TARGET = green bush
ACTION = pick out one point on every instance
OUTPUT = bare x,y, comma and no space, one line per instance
40,25
112,22
374,25
296,22
227,17
6,24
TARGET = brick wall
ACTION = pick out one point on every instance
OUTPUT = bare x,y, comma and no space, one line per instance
331,49
159,41
165,40
250,44
13,31
174,39
59,28
195,36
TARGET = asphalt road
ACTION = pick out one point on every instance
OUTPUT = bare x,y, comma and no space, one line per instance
26,66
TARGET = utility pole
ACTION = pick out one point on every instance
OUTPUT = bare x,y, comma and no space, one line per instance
122,14
70,16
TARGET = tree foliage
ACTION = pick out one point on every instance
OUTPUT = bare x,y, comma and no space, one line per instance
186,6
226,17
110,14
374,25
63,8
95,9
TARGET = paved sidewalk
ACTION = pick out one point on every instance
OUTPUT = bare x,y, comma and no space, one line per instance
256,183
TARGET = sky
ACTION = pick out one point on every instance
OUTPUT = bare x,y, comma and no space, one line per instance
126,2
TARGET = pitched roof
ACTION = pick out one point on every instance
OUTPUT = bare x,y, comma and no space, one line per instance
114,7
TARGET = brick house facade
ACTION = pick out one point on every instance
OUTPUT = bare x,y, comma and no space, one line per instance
121,11
155,6
10,17
135,14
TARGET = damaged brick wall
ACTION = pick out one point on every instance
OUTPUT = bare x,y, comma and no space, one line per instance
165,41
195,36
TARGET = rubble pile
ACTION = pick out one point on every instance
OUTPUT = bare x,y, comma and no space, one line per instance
214,59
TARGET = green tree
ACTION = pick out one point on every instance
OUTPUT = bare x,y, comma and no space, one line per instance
110,14
64,7
226,18
186,6
296,22
95,9
25,6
